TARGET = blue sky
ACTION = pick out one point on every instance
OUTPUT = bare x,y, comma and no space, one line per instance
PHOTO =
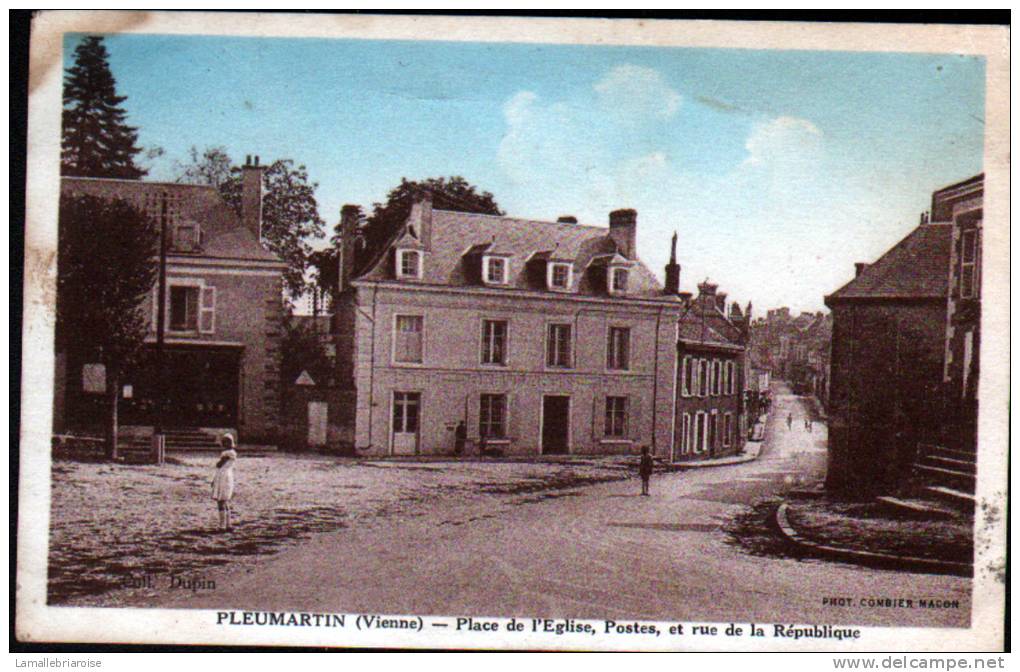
778,170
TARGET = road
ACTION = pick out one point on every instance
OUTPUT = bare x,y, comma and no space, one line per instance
602,552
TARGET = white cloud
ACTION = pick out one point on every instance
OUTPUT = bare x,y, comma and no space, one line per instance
634,92
783,140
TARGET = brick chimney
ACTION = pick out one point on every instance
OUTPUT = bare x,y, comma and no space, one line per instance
623,230
347,257
859,268
672,271
566,219
421,218
706,294
720,301
251,196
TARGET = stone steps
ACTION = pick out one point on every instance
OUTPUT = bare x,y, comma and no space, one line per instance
958,480
962,501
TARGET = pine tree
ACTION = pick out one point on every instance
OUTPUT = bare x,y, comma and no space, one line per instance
96,140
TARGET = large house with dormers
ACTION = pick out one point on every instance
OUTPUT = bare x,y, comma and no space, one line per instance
543,338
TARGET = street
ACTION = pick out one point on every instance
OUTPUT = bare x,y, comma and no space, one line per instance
595,552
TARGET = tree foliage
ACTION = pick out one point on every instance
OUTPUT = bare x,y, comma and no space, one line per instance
452,193
290,212
96,140
106,266
301,350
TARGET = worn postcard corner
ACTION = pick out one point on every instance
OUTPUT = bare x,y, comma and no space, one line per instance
513,333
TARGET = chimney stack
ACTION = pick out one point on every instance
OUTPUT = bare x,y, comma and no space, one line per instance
566,219
859,268
251,196
720,301
347,252
421,217
623,230
672,271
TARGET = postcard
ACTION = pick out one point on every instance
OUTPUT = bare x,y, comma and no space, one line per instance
457,332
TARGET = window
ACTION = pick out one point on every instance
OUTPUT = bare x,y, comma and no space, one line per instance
187,237
558,346
699,432
713,430
702,378
559,276
405,412
93,378
618,280
492,416
733,378
407,342
616,417
727,437
685,439
618,349
495,270
408,264
184,308
494,341
685,377
968,264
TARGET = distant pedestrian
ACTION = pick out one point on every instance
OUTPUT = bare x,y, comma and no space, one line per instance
459,438
807,424
810,425
789,420
223,481
645,469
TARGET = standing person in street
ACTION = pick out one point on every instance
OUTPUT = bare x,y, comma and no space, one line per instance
459,438
223,481
645,470
789,421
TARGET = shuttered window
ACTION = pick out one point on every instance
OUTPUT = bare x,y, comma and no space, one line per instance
494,336
616,417
968,264
407,343
558,346
492,416
618,349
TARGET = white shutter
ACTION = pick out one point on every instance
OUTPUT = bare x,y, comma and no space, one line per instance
207,310
155,307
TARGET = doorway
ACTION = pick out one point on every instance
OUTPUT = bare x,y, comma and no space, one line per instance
318,423
555,425
406,414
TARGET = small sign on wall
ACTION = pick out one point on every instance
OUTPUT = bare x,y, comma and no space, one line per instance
129,391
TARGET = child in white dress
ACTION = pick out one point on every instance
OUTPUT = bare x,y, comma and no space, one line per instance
223,481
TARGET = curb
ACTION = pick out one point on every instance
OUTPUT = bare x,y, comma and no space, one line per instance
868,558
707,464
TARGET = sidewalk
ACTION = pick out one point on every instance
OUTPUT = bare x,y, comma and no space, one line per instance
750,453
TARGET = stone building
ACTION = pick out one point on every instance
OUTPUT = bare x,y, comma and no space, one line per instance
904,370
544,338
224,306
962,205
711,417
795,349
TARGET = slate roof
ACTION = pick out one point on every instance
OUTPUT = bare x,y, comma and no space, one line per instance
705,324
454,235
917,267
224,235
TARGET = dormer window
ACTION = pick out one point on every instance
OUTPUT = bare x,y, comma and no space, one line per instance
618,278
559,275
408,264
187,237
494,270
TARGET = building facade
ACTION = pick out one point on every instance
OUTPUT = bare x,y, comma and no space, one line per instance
543,338
795,349
224,305
711,406
962,204
903,368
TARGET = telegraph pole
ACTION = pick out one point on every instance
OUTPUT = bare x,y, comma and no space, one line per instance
158,437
